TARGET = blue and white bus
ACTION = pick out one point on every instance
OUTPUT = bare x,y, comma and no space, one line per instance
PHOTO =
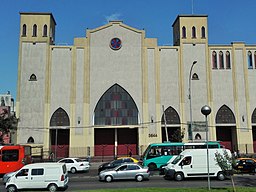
158,154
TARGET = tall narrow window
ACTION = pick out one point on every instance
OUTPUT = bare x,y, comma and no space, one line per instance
45,31
221,60
214,60
193,32
34,30
24,30
255,59
203,32
184,35
250,66
228,64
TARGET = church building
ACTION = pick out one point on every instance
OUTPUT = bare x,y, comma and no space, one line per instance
115,90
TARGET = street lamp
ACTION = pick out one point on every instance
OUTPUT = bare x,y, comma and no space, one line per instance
191,77
206,110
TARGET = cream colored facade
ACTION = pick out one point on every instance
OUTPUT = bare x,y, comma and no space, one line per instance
75,77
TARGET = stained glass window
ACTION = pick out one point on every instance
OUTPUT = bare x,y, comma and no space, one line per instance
116,107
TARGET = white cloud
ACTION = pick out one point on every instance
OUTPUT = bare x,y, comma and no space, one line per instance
113,17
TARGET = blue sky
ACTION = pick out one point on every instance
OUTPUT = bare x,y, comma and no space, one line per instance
228,21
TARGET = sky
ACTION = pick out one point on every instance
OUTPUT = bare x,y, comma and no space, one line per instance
228,21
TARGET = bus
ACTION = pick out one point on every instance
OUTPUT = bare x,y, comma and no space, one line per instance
14,157
158,154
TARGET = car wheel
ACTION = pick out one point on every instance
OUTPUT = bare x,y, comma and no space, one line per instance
52,187
73,170
139,178
152,166
11,188
108,178
179,176
221,176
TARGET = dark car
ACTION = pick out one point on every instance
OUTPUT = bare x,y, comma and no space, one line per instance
245,165
115,163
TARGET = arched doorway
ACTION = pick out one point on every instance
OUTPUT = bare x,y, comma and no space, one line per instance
117,113
59,133
226,128
172,125
254,129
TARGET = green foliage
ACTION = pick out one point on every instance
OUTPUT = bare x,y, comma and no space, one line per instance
225,161
7,122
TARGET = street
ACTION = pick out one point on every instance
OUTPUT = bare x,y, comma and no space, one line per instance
90,181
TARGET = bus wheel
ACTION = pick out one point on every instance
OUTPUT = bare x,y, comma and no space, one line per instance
179,176
152,166
11,188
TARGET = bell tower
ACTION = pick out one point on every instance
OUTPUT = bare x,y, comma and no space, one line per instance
190,29
37,27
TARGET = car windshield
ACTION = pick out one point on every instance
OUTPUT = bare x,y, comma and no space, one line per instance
177,159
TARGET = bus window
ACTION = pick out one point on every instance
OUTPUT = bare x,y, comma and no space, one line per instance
10,155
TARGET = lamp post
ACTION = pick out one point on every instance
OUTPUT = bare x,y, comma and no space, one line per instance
189,91
206,110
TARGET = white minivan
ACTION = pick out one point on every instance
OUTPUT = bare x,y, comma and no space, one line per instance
193,163
51,176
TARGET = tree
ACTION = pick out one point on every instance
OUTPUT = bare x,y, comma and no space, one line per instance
7,122
226,162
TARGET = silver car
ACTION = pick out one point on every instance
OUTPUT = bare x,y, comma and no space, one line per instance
125,171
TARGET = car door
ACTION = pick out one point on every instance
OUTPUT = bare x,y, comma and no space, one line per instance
23,179
121,172
37,178
187,166
132,170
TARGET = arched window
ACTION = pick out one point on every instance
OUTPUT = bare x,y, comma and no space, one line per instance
34,30
254,117
193,32
228,64
214,60
45,31
24,30
116,107
31,140
254,59
170,124
225,116
184,33
203,32
221,60
33,77
60,118
250,66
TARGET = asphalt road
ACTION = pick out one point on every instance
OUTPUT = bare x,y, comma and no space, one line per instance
89,180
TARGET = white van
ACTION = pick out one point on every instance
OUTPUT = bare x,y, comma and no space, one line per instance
51,176
193,163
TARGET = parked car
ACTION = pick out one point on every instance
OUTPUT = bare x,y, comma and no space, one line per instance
115,163
125,171
133,159
245,165
6,176
75,164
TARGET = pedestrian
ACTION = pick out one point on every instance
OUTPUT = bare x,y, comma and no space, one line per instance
130,153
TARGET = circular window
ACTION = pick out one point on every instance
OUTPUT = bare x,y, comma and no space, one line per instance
115,43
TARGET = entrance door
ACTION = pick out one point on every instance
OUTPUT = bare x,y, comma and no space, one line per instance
127,140
111,142
104,142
